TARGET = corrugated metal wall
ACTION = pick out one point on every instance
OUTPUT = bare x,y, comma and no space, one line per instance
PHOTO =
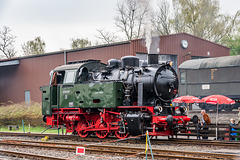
29,75
101,53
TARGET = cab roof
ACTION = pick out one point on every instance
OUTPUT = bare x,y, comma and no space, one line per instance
78,64
69,67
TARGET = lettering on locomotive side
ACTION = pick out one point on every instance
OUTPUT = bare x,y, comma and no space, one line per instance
66,91
101,92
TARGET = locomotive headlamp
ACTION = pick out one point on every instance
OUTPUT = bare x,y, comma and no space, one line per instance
170,63
160,109
185,109
182,109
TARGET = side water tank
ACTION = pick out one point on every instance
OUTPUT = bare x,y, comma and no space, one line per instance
130,61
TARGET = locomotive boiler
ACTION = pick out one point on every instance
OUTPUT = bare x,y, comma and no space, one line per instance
121,98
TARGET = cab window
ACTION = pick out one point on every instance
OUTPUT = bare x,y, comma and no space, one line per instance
83,75
57,78
70,77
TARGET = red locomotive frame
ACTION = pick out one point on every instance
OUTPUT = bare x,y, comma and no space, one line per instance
105,123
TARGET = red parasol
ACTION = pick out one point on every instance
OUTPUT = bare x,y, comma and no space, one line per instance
217,99
187,99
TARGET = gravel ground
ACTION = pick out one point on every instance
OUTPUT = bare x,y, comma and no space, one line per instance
61,154
72,156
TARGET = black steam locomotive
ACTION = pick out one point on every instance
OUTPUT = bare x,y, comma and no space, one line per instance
119,98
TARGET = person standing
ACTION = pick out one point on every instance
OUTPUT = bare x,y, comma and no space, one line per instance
232,123
206,121
198,128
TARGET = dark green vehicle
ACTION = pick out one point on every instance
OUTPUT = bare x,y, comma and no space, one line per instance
211,76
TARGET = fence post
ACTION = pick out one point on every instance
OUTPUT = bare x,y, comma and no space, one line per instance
23,126
230,132
197,131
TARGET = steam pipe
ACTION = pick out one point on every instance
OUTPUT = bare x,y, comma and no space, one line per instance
65,57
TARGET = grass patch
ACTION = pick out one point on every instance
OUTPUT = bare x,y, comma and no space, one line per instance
30,113
13,114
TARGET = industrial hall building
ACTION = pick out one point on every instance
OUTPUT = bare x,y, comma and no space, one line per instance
22,77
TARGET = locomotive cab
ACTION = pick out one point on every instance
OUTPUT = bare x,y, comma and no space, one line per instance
83,75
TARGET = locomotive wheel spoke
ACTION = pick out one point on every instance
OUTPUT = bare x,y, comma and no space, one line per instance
121,135
81,125
101,134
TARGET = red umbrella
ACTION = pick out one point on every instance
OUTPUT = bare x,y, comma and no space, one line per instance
187,99
217,99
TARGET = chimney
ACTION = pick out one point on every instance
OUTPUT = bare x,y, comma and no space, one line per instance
153,58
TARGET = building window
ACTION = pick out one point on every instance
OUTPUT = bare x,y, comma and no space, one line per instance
27,96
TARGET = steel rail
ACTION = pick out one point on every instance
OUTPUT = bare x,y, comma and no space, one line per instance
28,155
232,144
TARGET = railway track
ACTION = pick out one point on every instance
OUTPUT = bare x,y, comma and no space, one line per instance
120,150
28,155
228,144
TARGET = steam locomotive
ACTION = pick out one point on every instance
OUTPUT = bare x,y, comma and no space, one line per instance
120,98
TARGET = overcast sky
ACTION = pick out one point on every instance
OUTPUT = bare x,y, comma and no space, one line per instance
56,21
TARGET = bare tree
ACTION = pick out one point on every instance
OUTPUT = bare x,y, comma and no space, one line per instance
6,43
106,37
198,17
130,19
34,47
80,43
177,20
161,21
